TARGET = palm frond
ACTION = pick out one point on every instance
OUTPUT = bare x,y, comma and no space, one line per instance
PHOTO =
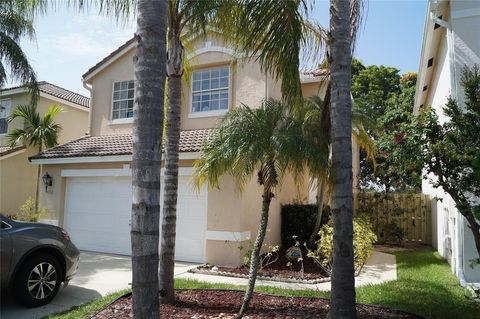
17,63
37,131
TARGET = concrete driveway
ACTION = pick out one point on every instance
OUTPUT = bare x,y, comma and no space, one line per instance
98,275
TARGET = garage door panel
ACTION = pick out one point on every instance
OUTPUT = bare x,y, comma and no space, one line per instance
98,213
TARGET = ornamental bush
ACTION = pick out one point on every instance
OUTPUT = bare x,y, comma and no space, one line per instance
363,240
298,220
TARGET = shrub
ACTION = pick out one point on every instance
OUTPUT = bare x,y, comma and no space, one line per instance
363,239
27,213
298,220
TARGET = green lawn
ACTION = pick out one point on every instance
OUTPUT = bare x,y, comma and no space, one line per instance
425,286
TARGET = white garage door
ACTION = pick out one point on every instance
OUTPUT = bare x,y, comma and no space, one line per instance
98,213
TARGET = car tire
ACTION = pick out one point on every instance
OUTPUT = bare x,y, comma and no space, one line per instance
38,280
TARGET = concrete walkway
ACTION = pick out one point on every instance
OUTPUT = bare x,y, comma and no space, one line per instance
379,268
98,275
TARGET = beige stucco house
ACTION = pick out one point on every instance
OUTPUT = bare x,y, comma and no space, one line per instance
451,41
18,177
91,193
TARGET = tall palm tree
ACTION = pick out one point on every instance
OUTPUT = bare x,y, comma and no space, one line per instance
16,22
264,141
256,28
38,131
342,33
149,66
184,16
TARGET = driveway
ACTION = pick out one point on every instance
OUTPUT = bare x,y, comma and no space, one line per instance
98,275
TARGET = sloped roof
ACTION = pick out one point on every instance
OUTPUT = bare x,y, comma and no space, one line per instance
5,150
57,91
110,145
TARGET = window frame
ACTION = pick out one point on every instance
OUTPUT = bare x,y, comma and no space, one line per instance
8,113
121,120
211,113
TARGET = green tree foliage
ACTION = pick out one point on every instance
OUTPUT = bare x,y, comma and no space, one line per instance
449,150
387,98
16,22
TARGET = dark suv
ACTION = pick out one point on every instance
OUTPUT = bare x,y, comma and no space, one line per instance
35,259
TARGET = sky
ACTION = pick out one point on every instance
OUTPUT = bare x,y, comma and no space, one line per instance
68,43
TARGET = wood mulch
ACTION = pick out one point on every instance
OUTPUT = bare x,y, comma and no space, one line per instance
222,304
279,269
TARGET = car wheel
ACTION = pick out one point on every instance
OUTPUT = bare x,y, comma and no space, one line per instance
38,280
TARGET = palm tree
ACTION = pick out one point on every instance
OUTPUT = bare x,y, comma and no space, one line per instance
317,126
264,141
342,33
37,132
183,15
16,22
248,26
149,66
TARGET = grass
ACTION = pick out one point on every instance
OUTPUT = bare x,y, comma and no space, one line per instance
425,286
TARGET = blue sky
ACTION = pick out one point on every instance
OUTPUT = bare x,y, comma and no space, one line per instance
68,43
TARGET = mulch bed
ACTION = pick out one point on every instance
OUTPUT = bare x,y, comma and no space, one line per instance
279,269
201,304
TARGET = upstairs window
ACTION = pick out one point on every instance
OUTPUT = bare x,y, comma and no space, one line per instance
5,107
210,90
123,95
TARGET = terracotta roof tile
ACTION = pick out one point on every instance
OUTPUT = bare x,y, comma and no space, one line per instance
5,150
109,145
59,92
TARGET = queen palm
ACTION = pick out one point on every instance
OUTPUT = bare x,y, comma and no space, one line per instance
341,39
16,22
149,66
271,32
37,132
264,142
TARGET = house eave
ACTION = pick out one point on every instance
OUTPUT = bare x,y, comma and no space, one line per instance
101,159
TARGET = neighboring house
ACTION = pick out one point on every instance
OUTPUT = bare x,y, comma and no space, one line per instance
91,193
18,177
451,41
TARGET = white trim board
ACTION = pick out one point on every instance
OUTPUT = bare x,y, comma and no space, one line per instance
104,159
226,235
115,172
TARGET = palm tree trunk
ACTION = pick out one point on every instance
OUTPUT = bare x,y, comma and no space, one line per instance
37,189
255,258
170,190
149,66
342,300
320,200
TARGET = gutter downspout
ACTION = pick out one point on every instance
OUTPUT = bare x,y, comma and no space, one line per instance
89,89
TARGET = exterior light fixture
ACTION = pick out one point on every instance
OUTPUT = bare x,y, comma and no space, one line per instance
47,180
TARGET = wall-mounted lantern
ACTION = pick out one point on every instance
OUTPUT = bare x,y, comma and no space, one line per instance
47,180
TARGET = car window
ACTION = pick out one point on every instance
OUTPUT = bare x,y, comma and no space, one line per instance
5,225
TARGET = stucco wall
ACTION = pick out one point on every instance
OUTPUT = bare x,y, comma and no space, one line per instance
465,24
17,181
18,176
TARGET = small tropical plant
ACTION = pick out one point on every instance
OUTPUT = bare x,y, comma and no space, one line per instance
363,240
28,211
38,131
264,142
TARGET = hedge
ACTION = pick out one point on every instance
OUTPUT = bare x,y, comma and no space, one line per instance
298,220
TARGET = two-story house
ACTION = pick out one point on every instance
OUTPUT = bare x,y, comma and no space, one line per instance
18,178
451,41
91,192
